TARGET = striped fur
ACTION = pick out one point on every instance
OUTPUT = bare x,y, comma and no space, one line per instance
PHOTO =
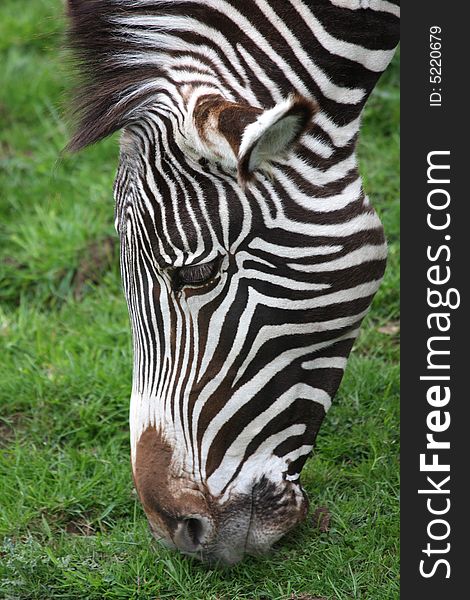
249,251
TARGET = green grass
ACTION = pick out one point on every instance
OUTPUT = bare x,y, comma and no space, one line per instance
70,524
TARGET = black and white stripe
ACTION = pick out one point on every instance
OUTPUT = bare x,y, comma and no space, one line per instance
237,372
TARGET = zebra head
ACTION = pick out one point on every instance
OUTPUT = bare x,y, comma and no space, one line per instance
249,252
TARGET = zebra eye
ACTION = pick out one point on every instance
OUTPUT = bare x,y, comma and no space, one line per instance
195,275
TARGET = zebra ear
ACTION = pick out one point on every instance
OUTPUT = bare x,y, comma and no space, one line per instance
273,133
246,138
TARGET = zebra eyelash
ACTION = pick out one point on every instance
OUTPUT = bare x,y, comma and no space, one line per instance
195,275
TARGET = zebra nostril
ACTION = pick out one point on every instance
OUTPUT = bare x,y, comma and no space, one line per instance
194,529
191,534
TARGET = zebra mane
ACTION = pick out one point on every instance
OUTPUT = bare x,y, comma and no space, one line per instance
111,90
124,50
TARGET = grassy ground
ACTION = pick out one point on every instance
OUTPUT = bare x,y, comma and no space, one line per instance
70,524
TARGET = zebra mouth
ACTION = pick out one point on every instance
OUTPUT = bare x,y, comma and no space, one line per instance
249,524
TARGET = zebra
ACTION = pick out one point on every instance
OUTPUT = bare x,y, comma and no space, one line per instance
249,251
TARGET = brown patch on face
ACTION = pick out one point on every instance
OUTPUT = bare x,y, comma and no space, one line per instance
167,496
228,118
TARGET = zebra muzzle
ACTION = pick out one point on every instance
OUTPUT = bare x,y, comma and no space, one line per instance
192,533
